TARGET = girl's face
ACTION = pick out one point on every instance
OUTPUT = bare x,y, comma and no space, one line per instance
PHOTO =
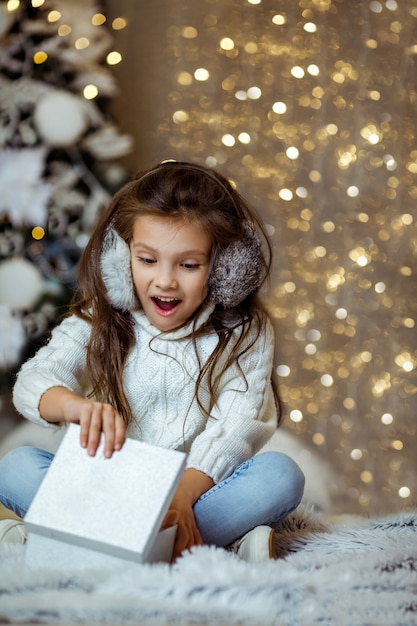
170,268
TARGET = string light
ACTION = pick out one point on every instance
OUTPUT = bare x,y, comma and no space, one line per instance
40,57
38,233
12,5
119,23
113,58
54,16
90,92
64,30
81,43
98,19
201,74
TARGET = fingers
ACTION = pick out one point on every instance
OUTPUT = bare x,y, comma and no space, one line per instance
93,428
120,434
95,419
171,518
187,536
182,541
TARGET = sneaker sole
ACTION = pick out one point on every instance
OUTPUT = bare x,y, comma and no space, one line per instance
260,546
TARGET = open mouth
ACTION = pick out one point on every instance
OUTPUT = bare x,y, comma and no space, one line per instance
165,305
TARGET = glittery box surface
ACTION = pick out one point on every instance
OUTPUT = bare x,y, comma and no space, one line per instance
112,506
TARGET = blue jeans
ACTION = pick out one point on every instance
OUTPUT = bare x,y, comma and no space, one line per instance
262,490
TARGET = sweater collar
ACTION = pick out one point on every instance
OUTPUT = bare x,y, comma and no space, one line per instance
179,333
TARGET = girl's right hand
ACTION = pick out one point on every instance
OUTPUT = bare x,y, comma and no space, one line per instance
94,418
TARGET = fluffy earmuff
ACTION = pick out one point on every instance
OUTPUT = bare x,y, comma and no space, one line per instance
237,270
116,272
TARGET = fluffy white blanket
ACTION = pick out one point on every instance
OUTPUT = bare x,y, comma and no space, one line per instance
362,572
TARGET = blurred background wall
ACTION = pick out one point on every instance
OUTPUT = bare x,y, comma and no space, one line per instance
309,106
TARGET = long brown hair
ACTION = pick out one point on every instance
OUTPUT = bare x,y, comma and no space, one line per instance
184,191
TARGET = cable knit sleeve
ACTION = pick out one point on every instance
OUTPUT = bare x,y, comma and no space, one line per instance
245,415
59,363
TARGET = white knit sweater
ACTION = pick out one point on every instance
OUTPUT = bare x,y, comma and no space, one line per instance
160,384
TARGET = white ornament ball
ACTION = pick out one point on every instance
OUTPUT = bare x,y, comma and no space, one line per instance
60,118
21,283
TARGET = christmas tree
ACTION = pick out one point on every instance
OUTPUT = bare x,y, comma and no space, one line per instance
58,162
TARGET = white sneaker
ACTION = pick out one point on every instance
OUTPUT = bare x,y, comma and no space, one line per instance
12,531
257,545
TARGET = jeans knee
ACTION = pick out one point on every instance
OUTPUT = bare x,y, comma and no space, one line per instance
21,472
21,453
285,475
23,461
13,460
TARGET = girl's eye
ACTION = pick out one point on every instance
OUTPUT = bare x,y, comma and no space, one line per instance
146,260
191,266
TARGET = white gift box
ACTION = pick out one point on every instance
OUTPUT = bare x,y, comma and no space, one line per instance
92,511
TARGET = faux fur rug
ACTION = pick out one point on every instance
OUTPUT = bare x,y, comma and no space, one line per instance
362,572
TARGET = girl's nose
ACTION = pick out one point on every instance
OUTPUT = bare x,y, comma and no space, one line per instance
165,278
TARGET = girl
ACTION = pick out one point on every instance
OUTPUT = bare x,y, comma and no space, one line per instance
169,343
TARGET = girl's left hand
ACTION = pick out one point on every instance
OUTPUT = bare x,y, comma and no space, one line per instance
192,485
188,535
